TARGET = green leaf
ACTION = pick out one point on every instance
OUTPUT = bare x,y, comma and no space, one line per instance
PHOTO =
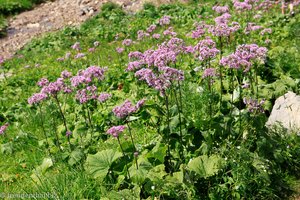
206,166
75,157
7,148
158,152
99,164
157,173
139,175
133,118
40,170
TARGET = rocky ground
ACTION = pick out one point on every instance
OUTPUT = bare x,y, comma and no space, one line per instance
54,15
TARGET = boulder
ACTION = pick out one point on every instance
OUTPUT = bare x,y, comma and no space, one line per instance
286,112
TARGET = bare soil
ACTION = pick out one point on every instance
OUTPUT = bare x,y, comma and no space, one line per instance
53,16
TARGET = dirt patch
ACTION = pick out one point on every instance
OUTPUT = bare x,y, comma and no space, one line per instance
52,16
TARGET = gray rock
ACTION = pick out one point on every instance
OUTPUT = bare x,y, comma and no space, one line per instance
286,112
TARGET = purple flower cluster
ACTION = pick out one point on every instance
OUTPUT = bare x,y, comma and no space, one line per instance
142,34
165,20
127,42
205,49
251,27
253,105
266,30
119,49
43,82
136,55
241,6
170,32
37,98
151,28
244,56
223,19
86,76
79,55
65,74
84,95
103,97
200,31
3,128
127,108
68,133
209,72
156,36
76,46
116,130
221,9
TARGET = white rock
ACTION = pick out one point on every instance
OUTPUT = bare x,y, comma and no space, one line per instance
286,112
36,25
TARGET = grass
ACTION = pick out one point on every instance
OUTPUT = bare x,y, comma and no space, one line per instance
259,166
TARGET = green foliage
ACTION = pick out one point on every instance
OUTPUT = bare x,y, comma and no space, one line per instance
191,146
98,165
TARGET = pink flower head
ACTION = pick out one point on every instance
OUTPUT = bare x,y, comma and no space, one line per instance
115,131
165,20
104,97
205,49
37,98
254,105
76,46
92,49
65,74
170,32
151,28
134,65
142,34
156,36
3,128
43,82
68,55
136,55
54,87
120,50
79,55
127,42
209,72
221,9
140,103
124,110
68,133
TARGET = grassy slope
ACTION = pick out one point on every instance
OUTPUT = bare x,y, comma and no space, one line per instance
40,57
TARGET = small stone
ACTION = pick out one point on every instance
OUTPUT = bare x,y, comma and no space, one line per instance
36,25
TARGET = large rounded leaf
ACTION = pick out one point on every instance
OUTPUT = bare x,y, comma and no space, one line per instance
206,166
98,165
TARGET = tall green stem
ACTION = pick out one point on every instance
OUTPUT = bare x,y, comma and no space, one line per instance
126,164
44,130
129,130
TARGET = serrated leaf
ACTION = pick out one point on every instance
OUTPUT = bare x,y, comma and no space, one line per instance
99,164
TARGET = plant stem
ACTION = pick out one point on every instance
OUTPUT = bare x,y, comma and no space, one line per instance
44,131
169,129
221,73
180,128
124,157
129,129
61,112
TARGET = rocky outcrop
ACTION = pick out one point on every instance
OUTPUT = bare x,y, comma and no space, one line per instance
286,112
